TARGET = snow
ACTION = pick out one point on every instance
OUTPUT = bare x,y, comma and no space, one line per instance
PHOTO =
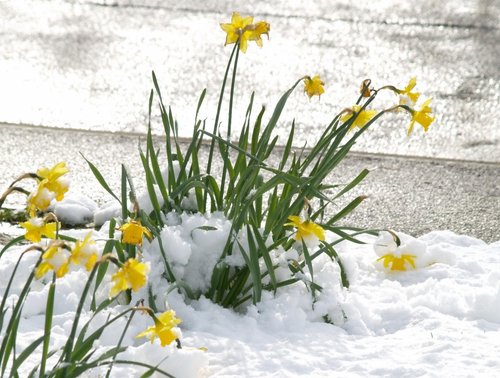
75,209
440,319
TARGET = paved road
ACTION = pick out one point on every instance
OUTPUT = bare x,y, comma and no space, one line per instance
406,194
86,65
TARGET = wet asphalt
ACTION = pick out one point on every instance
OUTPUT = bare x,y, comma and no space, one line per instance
412,195
75,77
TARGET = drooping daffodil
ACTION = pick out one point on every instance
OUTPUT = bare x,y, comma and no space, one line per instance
306,230
422,117
55,258
399,252
406,96
54,180
40,199
165,328
133,232
313,86
85,252
362,116
36,228
131,275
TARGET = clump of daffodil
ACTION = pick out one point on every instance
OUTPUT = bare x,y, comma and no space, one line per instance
56,258
306,229
165,328
133,232
85,252
399,254
421,117
313,86
131,275
362,116
36,228
244,30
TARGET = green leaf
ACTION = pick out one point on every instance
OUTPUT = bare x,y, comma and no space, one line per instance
10,244
26,353
333,254
353,183
264,251
346,210
100,178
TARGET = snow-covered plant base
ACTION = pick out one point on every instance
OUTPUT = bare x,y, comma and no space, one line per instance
438,320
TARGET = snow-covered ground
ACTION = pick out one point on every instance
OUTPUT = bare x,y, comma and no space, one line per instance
440,320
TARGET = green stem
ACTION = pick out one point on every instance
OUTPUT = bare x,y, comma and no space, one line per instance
229,123
217,115
4,354
68,348
120,341
49,310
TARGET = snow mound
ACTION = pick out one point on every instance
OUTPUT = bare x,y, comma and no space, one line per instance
439,319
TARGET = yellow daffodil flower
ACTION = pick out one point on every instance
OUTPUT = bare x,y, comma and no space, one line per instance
305,229
236,30
55,258
53,173
407,97
362,118
422,117
132,275
40,199
54,182
314,86
398,263
84,252
163,328
133,232
36,228
256,31
242,28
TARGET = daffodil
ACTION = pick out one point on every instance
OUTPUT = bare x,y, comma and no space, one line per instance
362,116
422,117
133,232
164,328
36,228
256,31
365,88
54,181
52,174
407,97
40,199
237,30
132,275
398,262
314,86
244,30
55,258
84,252
399,252
305,229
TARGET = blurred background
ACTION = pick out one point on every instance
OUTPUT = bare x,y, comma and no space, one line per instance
87,65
